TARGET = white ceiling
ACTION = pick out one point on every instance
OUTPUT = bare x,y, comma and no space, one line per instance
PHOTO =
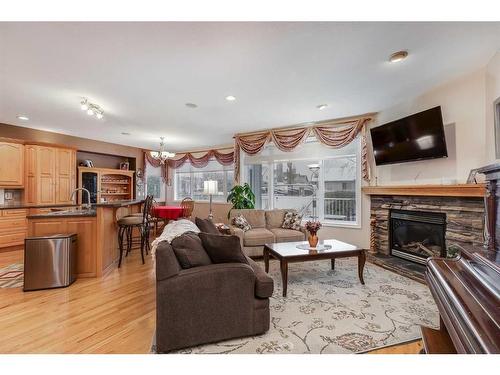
142,74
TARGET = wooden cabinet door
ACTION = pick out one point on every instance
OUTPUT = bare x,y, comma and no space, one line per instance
46,166
65,174
86,256
11,165
45,228
30,179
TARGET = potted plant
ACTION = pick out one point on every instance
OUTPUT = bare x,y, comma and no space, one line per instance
241,197
313,227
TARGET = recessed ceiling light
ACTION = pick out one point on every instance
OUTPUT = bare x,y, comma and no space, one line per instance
398,56
322,106
125,133
191,105
22,117
230,98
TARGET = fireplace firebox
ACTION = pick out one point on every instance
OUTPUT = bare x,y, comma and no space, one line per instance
417,235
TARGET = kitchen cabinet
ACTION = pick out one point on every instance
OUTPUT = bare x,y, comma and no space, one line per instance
13,227
50,174
11,165
65,174
86,230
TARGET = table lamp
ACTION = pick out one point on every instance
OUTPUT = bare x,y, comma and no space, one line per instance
210,188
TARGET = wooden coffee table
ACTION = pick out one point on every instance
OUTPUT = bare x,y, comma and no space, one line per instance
287,252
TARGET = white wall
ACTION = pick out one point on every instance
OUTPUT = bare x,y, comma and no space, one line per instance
463,106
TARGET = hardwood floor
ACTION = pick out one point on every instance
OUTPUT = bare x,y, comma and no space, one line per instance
115,314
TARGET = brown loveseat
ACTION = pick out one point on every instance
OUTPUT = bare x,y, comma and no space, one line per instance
266,228
208,303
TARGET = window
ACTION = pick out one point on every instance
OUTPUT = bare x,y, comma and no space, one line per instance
284,180
188,181
154,183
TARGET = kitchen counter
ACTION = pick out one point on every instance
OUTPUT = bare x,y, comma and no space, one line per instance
124,203
117,204
13,206
97,231
66,213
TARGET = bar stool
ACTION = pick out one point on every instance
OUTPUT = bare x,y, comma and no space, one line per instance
150,221
127,224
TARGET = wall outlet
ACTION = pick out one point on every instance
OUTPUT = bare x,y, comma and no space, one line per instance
8,195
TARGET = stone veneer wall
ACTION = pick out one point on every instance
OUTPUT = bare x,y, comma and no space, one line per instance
464,218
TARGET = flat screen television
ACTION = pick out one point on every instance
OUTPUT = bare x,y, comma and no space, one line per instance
416,137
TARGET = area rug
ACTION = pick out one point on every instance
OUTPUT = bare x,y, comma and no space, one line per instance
11,276
331,312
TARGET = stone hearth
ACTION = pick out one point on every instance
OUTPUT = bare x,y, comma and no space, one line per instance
464,225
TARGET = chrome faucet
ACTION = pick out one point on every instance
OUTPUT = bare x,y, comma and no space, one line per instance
88,206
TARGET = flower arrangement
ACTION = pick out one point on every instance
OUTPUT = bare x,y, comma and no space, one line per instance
313,227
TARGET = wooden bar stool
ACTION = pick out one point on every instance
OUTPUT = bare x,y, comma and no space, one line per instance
127,224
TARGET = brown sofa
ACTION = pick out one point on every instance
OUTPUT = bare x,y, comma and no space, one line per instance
208,303
266,228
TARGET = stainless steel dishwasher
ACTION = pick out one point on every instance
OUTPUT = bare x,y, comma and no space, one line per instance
49,261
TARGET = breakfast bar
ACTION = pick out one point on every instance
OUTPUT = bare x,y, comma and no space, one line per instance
96,229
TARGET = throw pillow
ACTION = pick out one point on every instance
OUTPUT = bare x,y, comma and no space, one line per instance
240,222
189,251
223,249
206,226
291,220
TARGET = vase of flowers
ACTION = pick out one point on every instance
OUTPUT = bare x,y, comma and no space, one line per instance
313,227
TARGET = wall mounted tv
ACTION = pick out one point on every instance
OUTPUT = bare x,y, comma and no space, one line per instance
416,137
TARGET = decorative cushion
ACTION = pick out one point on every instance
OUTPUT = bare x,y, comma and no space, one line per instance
291,220
257,237
223,249
189,251
256,218
287,235
206,226
240,222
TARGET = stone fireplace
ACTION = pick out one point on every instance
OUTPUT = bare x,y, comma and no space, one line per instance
409,224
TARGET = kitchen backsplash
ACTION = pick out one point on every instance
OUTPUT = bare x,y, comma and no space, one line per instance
10,196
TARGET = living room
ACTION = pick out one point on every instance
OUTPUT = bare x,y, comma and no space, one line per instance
320,187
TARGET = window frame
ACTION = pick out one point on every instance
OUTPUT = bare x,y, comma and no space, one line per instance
321,180
225,169
163,185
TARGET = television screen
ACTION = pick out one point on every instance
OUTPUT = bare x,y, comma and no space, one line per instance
416,137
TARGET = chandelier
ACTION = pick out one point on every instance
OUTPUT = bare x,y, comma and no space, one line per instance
161,155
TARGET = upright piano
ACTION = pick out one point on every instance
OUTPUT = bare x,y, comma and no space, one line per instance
467,288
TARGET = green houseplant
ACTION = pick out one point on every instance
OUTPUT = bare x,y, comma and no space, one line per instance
241,196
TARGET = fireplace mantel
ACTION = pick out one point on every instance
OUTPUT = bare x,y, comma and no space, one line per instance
461,190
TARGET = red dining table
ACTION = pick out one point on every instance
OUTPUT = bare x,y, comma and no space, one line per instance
168,212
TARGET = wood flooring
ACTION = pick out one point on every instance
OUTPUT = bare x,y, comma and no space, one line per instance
115,314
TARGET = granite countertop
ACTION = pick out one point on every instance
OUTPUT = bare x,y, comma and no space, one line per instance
66,213
123,203
10,206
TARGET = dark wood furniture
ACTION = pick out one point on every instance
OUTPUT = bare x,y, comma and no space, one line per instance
467,288
287,252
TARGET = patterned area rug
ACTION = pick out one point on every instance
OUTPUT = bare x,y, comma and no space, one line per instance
11,276
331,312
